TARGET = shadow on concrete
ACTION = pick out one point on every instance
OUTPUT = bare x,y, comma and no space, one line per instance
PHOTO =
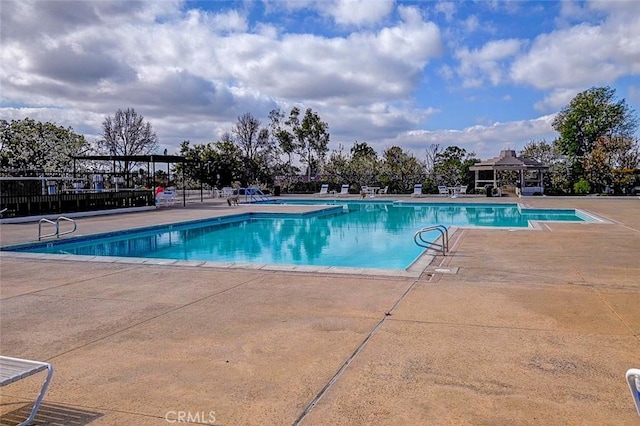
50,414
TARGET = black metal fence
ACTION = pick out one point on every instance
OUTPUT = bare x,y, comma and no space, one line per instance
34,205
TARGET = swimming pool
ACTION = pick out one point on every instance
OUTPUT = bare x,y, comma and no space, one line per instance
365,234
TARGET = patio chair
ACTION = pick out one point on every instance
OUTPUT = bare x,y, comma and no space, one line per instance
166,197
384,190
227,191
633,379
344,190
324,189
14,369
443,190
417,190
463,190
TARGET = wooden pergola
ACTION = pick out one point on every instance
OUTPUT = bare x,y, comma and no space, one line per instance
530,172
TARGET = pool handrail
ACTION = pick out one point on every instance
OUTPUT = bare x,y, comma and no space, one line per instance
444,232
254,194
57,232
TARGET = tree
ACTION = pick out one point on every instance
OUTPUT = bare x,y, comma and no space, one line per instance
228,161
452,167
282,136
286,144
556,180
361,166
312,135
337,168
597,171
541,151
362,150
125,134
364,164
401,170
41,147
246,133
197,168
217,164
590,115
611,163
256,146
430,157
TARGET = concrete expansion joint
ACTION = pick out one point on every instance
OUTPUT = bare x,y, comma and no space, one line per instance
355,353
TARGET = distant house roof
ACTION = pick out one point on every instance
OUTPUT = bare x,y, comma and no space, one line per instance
508,161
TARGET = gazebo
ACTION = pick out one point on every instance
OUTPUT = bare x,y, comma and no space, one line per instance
529,172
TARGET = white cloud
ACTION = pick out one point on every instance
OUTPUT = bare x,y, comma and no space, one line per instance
205,69
557,99
273,6
360,68
371,123
584,54
83,122
446,72
231,20
412,41
471,24
488,62
358,12
447,8
484,141
572,11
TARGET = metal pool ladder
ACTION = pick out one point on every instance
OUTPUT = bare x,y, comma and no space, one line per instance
443,248
57,232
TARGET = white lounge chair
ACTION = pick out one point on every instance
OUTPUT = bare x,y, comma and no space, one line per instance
463,190
14,369
166,197
443,190
384,190
344,190
417,190
633,379
324,189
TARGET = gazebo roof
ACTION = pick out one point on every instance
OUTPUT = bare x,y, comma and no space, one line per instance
508,161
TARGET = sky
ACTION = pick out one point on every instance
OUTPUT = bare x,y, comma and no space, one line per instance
480,75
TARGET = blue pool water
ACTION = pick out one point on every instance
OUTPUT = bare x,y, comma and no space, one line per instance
351,234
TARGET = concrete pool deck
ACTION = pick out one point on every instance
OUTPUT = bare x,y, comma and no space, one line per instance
530,327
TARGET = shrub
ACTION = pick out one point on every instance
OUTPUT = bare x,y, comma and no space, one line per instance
582,187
